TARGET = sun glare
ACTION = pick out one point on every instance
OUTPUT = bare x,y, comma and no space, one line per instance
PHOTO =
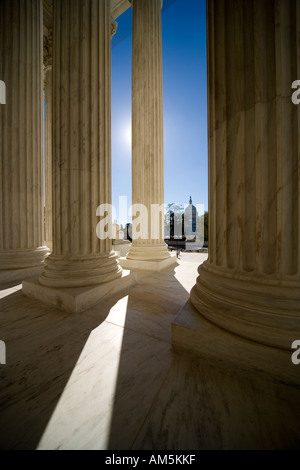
127,134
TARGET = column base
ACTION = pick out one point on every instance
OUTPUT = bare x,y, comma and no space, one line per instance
260,309
18,265
80,271
121,247
49,244
148,257
21,259
193,333
12,277
152,266
79,299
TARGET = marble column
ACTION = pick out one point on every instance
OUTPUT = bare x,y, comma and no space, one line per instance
82,267
148,250
48,137
250,285
81,145
22,250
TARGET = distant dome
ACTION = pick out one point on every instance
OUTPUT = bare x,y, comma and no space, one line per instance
190,219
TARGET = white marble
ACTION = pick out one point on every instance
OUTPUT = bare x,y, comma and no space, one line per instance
79,299
204,407
15,276
121,247
10,290
192,332
75,418
141,368
108,379
250,285
119,6
147,252
48,136
147,264
21,161
81,156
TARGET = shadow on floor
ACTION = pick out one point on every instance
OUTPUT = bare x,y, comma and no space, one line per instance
108,379
146,358
43,345
167,400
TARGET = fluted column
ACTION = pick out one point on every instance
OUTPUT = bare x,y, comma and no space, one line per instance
48,137
147,135
21,195
81,144
250,284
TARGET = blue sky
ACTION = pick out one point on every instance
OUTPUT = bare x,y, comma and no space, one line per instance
185,104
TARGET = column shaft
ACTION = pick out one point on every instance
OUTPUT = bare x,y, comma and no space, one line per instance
48,156
21,194
147,131
250,284
48,137
81,144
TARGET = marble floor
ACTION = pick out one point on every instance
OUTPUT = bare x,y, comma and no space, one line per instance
109,379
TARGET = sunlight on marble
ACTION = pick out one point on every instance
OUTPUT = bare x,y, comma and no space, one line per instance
186,277
86,404
6,292
117,314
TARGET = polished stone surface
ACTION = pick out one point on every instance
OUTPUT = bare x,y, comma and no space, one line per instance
108,378
48,139
12,276
148,265
250,285
121,247
21,171
148,251
81,146
79,299
192,332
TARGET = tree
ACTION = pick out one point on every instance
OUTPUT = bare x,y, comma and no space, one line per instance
174,225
